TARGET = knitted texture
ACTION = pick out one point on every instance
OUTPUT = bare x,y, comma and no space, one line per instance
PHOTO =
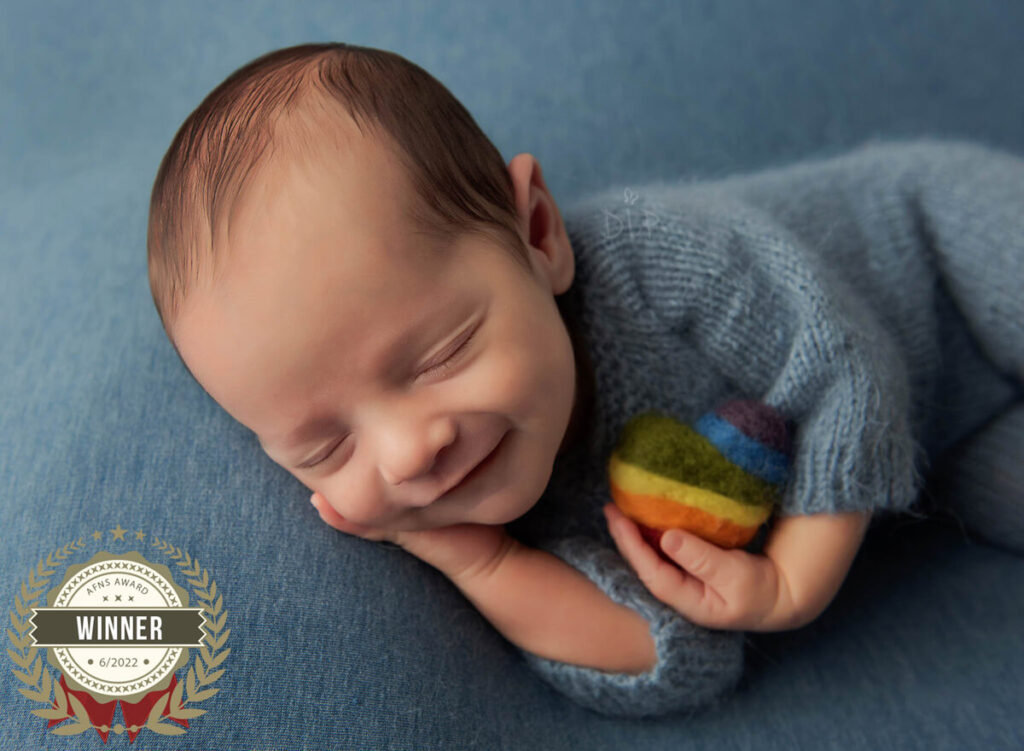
872,298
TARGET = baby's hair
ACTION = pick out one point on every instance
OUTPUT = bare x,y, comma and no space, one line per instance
460,180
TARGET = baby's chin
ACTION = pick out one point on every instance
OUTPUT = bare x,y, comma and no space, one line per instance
496,516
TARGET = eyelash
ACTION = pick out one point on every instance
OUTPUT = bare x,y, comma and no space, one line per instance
443,366
447,364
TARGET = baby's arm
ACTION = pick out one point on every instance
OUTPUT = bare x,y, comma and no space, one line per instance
804,563
538,602
813,554
545,606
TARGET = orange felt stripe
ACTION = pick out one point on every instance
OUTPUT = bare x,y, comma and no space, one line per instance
659,513
638,481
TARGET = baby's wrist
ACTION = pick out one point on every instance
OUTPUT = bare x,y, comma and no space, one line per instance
782,612
480,565
464,553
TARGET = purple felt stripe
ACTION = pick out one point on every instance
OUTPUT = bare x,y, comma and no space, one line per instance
759,421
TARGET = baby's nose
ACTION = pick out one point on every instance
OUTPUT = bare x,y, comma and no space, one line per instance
397,477
413,454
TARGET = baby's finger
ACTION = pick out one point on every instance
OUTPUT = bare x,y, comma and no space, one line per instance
709,563
708,567
628,540
664,580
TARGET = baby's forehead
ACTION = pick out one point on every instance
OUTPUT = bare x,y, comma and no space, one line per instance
379,255
343,164
294,195
353,186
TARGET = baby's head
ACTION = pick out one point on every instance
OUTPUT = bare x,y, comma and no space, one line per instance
346,265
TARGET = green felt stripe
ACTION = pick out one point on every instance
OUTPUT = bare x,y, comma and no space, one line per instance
667,447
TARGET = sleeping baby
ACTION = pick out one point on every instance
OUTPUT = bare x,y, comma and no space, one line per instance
418,333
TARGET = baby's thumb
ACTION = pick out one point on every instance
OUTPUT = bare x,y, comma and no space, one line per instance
696,555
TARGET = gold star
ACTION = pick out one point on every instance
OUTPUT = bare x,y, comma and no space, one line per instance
139,535
118,533
97,535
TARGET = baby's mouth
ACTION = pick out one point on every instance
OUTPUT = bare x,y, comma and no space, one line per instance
481,467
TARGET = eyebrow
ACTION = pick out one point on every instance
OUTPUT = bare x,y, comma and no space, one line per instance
318,425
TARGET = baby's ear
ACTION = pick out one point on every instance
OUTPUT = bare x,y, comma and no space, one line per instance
540,223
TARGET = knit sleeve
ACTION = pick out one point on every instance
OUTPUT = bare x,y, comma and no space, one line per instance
695,669
771,320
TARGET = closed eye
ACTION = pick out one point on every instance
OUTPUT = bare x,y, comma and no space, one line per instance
450,361
446,365
324,458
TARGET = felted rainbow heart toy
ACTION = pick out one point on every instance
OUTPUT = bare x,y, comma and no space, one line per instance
718,479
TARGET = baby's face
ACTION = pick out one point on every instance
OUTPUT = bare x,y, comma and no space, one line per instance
414,386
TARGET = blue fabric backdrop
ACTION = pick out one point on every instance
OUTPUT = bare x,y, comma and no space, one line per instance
337,643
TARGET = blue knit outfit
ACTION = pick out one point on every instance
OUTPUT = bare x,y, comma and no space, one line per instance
875,298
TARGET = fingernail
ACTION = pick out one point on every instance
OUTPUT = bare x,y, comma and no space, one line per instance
672,541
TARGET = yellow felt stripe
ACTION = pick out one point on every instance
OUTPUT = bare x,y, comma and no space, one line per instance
636,481
659,514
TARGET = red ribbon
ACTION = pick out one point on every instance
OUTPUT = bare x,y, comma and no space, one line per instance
134,713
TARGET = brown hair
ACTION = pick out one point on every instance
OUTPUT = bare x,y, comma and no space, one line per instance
460,180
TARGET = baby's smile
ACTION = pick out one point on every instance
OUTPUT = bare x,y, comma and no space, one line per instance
476,469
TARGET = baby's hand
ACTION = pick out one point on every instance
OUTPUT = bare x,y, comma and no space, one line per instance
458,551
712,587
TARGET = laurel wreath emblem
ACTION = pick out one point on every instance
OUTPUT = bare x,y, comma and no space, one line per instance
204,670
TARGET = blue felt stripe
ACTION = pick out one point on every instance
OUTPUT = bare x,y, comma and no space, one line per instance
742,450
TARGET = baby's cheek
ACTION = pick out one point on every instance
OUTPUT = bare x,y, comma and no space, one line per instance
512,378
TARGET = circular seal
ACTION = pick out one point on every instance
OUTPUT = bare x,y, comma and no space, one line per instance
122,636
121,627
